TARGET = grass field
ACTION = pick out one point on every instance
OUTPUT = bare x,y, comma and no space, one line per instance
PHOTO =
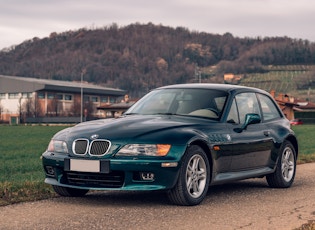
21,173
305,137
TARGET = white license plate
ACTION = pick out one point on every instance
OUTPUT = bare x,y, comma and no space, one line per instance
85,165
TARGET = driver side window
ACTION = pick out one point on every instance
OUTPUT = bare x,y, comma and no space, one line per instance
243,104
247,103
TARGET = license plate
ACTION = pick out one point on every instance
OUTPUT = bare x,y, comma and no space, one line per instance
85,165
81,165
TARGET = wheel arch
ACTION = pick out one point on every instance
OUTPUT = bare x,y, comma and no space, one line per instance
206,148
292,139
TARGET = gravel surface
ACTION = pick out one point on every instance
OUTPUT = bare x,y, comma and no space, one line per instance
248,204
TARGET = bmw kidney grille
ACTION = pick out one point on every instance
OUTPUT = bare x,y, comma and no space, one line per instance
94,148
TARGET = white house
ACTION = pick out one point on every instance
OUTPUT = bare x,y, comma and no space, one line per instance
22,97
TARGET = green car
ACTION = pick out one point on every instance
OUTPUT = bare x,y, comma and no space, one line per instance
178,138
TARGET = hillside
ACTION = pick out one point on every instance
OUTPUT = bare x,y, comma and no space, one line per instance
140,57
296,80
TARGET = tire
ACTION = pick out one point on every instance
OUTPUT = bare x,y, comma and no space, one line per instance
72,192
193,180
284,174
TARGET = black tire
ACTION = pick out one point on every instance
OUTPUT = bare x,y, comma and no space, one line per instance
284,174
193,180
65,191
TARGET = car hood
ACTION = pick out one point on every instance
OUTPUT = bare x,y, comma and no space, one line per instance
134,127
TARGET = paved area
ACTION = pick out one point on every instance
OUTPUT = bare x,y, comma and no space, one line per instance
248,204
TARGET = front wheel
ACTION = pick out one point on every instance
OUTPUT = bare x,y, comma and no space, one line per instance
284,175
65,191
193,181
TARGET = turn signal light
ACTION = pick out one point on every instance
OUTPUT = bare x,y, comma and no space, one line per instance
162,149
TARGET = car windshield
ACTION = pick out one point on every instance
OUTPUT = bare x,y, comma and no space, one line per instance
207,103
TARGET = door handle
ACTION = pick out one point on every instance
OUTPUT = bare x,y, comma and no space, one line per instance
266,133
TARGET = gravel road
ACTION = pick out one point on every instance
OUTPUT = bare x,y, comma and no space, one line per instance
248,204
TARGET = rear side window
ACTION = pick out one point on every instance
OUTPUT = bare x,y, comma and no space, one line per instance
269,109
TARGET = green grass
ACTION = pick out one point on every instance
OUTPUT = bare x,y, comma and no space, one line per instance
305,137
21,173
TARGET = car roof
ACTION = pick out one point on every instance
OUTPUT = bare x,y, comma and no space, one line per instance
222,87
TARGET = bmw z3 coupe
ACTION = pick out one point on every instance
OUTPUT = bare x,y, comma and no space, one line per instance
179,138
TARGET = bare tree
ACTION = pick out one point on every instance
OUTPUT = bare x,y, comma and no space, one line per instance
53,107
20,109
88,109
31,108
1,110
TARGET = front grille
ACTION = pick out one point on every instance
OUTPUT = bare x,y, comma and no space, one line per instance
95,148
96,180
80,146
99,147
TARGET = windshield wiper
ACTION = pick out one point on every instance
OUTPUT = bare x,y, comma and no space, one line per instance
130,113
166,114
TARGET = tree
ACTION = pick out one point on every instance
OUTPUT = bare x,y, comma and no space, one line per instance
139,57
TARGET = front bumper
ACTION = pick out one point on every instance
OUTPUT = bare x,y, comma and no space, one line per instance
121,174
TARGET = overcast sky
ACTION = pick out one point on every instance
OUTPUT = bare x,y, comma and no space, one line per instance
21,20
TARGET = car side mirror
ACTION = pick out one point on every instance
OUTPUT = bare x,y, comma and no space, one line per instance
250,118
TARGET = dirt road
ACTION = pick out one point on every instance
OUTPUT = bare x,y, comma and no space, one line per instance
249,204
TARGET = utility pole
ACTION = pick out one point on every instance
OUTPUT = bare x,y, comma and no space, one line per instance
83,71
198,73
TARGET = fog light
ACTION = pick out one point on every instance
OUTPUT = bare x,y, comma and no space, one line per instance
147,176
50,170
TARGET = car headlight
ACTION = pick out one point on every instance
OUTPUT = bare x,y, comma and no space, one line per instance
144,150
57,146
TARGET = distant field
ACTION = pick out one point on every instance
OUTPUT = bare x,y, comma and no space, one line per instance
294,80
282,79
21,173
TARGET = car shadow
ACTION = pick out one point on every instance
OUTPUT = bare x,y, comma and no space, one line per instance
242,185
158,198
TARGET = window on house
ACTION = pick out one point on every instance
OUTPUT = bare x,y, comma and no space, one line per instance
104,99
68,97
41,95
94,99
13,95
26,95
50,96
86,99
112,100
59,96
2,95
